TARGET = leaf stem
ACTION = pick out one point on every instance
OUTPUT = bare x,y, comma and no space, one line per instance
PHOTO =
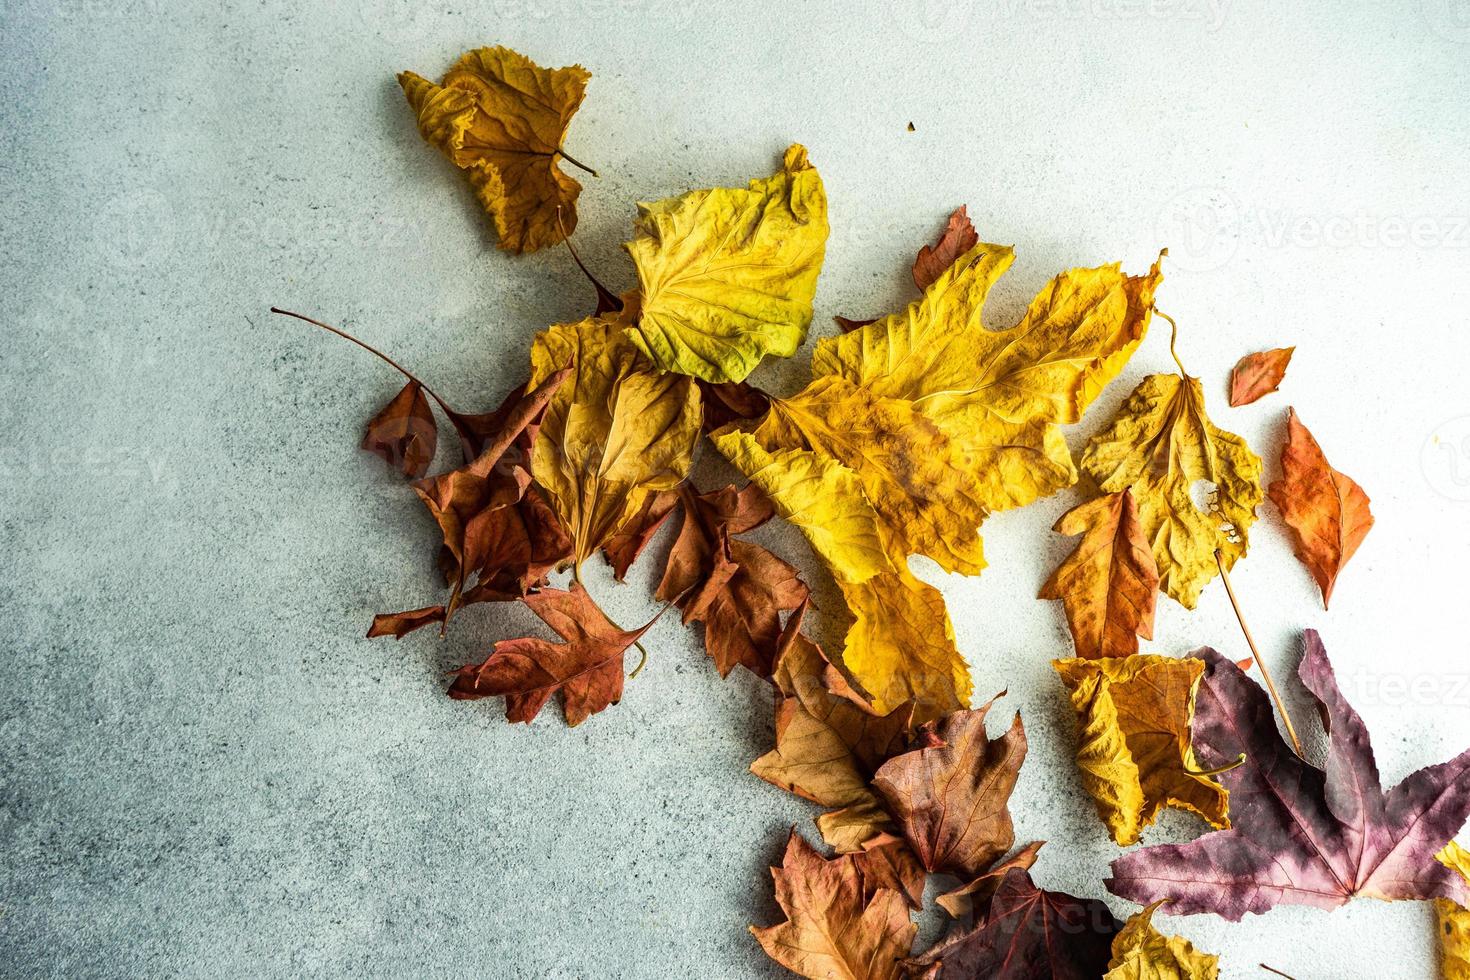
642,650
1239,761
1173,339
575,162
1272,969
604,296
371,350
1251,642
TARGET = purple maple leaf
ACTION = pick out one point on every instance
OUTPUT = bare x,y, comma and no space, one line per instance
1301,835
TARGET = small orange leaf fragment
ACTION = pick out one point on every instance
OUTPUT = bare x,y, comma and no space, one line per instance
1259,374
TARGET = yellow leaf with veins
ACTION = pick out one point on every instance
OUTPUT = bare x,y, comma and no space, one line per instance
1197,487
728,274
614,433
1141,952
1454,919
1134,753
502,119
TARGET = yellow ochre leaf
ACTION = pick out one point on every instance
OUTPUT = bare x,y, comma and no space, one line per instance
1141,952
1197,487
614,433
502,119
1109,583
1134,754
728,274
1454,919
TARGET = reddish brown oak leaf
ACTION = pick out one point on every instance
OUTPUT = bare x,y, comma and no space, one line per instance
1109,584
624,547
1028,934
950,796
1301,835
838,925
958,238
736,588
403,433
587,669
1257,375
1327,512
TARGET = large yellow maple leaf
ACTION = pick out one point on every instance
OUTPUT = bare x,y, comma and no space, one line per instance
502,118
939,422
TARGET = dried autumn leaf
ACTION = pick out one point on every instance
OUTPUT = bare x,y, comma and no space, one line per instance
728,274
1000,395
731,401
587,669
1108,584
1163,446
1257,375
736,588
829,741
1453,919
1301,835
1141,952
1327,512
502,119
623,547
617,432
957,239
974,898
836,928
404,432
1029,934
950,796
1133,748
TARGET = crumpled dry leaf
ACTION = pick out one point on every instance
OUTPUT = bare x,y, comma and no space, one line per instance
973,898
1133,745
1162,445
1453,919
627,543
731,401
958,238
950,795
1326,510
1257,375
615,433
1109,583
837,927
829,741
1141,952
736,588
1029,934
1300,835
502,119
587,669
404,432
728,274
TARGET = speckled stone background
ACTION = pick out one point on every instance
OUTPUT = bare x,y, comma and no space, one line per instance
206,771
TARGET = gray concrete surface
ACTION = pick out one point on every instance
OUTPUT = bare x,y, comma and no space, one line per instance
207,772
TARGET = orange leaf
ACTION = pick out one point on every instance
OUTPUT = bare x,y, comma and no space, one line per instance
958,238
1109,583
1327,512
1258,374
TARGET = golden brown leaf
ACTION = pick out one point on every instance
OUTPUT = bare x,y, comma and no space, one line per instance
502,119
950,796
615,433
834,930
1327,512
1163,446
1141,952
587,669
1257,375
1109,583
1134,752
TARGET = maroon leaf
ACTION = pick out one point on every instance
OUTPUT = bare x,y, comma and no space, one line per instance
1301,835
1029,934
731,401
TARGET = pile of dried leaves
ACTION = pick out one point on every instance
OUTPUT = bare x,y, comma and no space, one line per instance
915,427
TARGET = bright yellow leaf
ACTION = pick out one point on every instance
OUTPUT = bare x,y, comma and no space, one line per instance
502,119
1134,753
1197,487
1141,952
1454,919
728,274
614,433
820,496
